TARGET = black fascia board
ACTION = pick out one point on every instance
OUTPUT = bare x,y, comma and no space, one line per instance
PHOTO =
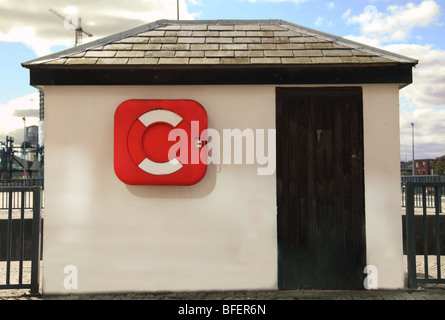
223,75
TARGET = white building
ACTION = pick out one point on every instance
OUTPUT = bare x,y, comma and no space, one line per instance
331,208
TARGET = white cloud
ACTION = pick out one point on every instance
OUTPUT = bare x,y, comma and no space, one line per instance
319,21
195,2
423,102
396,23
12,112
429,130
330,5
31,22
428,88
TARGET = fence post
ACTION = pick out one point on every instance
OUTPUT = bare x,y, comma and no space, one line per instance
410,237
36,235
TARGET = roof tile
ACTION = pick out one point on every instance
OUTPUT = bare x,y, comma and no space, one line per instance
201,27
249,53
272,60
224,53
112,61
221,27
232,34
189,54
173,61
278,53
163,40
219,40
235,60
136,39
308,53
207,46
272,27
337,53
248,27
100,54
143,61
148,46
118,46
263,46
247,40
81,61
297,60
327,60
130,54
160,54
178,33
204,61
191,40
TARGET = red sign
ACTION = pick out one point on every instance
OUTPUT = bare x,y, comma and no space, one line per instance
160,142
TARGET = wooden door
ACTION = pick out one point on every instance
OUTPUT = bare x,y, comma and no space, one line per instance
320,188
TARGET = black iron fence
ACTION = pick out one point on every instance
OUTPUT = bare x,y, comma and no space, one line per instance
424,233
21,239
418,198
21,182
16,201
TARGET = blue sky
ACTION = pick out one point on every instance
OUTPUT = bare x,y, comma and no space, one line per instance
413,28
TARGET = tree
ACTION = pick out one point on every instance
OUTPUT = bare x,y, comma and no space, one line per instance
439,166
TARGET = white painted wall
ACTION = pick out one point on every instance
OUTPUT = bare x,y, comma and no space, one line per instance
220,233
217,235
382,183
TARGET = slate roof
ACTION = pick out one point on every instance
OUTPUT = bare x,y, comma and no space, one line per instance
219,42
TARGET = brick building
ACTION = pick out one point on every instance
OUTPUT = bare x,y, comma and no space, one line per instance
424,167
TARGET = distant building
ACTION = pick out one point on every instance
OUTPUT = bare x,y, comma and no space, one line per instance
32,136
406,168
424,167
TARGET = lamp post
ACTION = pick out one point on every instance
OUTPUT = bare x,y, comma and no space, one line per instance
24,147
177,8
412,125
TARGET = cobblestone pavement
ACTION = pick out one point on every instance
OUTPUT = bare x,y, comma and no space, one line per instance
429,293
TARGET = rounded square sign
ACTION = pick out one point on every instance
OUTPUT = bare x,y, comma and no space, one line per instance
160,142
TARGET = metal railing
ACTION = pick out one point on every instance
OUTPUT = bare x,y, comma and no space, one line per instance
20,240
418,198
21,182
427,225
16,201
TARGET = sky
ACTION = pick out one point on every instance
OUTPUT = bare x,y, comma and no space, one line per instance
412,28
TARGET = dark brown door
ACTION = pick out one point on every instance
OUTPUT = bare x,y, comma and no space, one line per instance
320,188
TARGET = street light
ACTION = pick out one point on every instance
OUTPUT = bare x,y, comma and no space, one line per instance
412,125
24,146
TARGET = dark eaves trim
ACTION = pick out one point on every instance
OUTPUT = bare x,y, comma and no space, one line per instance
225,75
